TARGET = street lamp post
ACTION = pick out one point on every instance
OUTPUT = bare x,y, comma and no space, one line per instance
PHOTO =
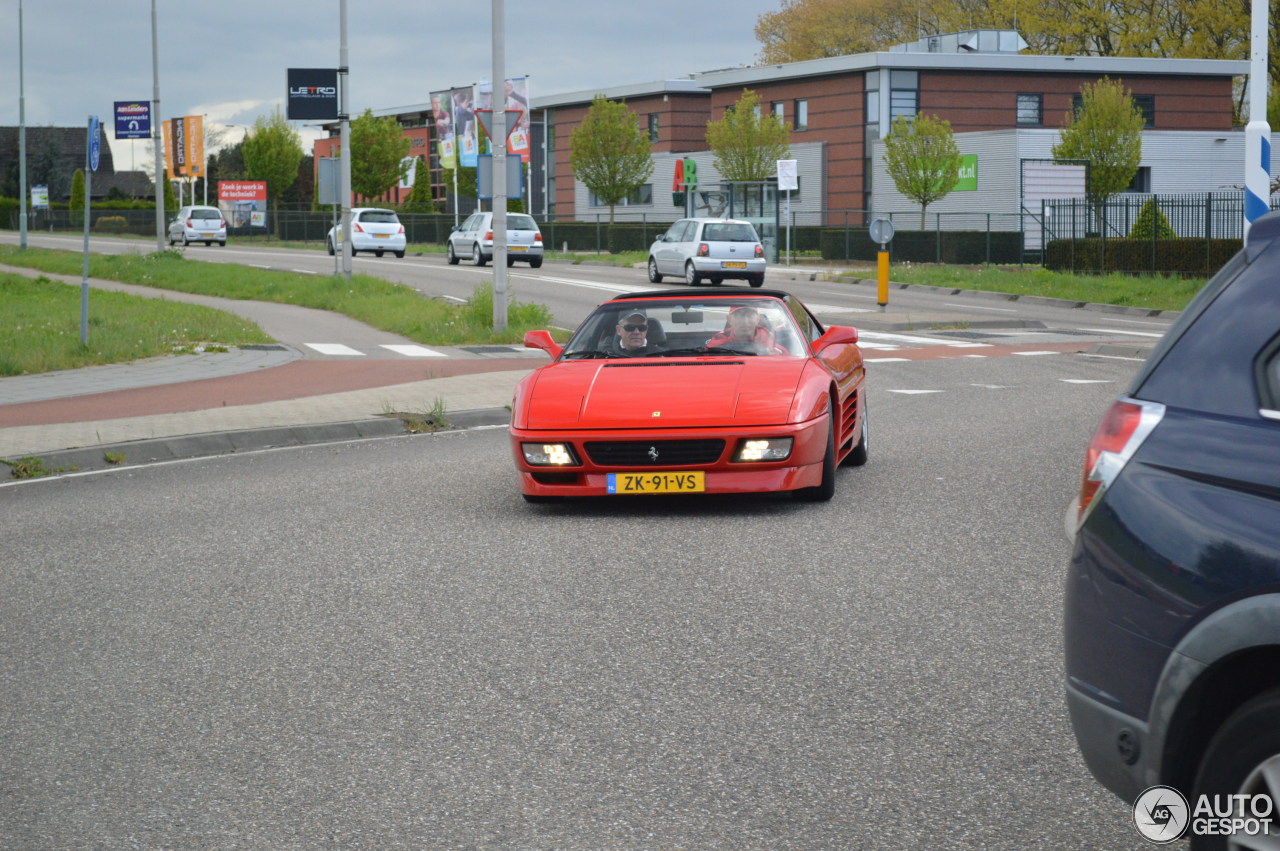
155,129
22,138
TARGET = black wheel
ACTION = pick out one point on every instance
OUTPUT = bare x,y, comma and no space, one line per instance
453,258
399,253
1239,757
535,263
691,276
655,277
223,244
171,239
477,256
756,280
329,245
511,261
377,252
208,243
827,488
185,241
716,280
858,455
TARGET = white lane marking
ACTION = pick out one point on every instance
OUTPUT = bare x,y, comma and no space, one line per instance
1138,322
1085,380
977,307
974,356
1122,332
969,345
455,298
835,308
886,360
904,338
334,349
1109,357
914,392
257,266
304,271
1036,353
997,386
414,351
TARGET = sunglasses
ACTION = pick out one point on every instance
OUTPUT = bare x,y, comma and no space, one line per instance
634,327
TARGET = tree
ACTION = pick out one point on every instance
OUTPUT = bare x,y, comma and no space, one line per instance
1151,223
77,190
420,199
378,150
815,29
745,144
921,156
609,153
1106,132
170,197
272,150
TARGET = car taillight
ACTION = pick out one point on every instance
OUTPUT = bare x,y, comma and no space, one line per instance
488,236
355,226
704,250
759,250
222,223
189,223
401,229
1122,430
537,237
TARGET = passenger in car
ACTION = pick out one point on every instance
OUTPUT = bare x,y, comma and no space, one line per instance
745,327
632,339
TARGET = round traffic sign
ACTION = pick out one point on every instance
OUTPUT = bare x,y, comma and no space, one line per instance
881,230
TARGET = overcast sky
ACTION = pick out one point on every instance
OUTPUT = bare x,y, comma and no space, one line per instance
226,59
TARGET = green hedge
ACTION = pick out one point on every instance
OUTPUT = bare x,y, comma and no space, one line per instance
960,247
10,208
1199,257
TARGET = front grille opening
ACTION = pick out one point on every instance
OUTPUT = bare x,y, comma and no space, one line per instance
654,453
556,478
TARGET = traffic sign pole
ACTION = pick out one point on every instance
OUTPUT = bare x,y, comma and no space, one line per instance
91,153
881,231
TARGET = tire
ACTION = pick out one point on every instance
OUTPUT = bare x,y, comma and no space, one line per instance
756,280
827,488
691,276
170,240
329,245
655,277
716,280
535,263
859,454
185,241
1247,741
222,244
377,252
477,256
511,261
453,258
399,253
208,243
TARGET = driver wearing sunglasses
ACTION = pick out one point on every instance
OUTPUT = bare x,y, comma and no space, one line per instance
633,331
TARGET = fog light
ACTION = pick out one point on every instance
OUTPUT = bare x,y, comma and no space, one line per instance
764,449
548,454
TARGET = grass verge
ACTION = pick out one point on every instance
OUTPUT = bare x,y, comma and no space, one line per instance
41,331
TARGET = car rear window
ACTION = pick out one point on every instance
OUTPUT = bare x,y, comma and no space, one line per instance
385,217
205,214
729,232
520,222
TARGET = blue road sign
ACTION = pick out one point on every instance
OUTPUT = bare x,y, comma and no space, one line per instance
95,142
133,119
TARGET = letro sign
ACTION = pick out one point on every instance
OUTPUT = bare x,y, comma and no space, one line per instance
133,119
313,94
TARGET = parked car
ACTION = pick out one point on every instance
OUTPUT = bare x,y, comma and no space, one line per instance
692,391
716,249
373,230
473,240
198,224
1172,613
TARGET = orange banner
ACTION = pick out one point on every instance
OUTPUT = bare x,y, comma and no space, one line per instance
193,138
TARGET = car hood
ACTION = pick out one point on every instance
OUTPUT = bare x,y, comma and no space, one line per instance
664,393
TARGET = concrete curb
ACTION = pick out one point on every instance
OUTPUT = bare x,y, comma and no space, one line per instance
141,452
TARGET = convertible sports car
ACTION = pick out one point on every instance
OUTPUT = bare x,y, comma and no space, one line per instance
690,391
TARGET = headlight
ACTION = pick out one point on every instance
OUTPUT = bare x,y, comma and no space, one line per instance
764,449
549,454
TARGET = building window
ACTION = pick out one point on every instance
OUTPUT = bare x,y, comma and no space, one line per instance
873,116
780,110
904,94
802,115
1146,103
641,196
1141,180
653,127
1030,110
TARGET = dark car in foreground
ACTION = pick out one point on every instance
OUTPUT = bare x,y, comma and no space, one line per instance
1172,615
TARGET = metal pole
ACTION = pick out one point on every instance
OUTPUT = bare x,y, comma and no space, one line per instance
88,194
499,104
1257,134
155,129
344,139
22,139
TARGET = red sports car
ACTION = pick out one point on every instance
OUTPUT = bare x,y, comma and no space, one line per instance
690,391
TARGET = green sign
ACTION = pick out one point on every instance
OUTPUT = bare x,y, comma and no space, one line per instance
967,181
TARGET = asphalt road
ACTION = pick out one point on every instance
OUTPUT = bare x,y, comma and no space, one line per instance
379,645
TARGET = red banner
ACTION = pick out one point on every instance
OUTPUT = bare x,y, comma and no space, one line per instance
242,190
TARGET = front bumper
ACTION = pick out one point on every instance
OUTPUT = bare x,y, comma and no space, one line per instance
801,470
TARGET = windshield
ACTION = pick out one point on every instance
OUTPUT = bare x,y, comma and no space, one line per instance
385,217
520,222
729,232
688,327
205,214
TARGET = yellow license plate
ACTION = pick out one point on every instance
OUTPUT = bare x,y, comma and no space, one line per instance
655,482
515,248
381,235
733,264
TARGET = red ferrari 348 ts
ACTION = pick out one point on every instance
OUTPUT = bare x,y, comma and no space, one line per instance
690,391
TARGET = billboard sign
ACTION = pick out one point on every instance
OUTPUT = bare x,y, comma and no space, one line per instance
39,197
242,190
967,178
313,94
446,140
133,119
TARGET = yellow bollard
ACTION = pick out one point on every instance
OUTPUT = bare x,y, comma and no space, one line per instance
882,291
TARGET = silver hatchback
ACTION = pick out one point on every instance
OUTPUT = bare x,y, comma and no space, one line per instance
715,249
473,240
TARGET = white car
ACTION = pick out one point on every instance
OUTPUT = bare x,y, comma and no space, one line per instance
715,249
473,240
372,229
198,224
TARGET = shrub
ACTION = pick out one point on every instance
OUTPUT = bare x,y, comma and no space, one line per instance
1152,224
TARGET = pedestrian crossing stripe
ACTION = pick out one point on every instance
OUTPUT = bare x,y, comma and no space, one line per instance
415,351
335,349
